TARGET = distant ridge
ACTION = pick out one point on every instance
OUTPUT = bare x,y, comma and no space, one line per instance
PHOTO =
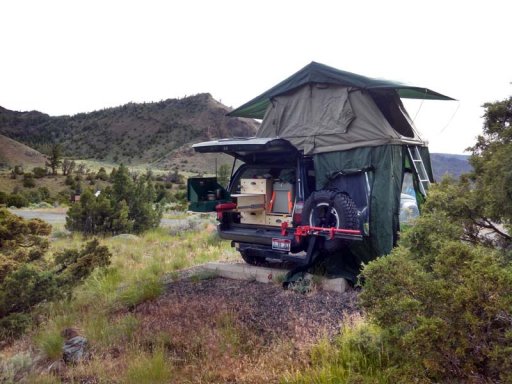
132,133
454,165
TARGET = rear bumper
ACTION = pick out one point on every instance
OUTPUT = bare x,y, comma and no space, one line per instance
259,236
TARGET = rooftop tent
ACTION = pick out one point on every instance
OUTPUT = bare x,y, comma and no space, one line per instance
321,109
320,73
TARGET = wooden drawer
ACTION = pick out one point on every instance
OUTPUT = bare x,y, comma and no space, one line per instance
252,218
250,201
256,186
276,220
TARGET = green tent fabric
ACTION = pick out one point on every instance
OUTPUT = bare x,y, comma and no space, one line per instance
320,73
388,164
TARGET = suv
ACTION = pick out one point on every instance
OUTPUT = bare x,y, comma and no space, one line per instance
269,209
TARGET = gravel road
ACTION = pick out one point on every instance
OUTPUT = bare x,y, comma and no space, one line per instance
60,217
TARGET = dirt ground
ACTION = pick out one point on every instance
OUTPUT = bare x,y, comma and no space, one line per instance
230,331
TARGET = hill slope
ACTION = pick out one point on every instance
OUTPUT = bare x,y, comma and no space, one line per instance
15,153
454,165
133,133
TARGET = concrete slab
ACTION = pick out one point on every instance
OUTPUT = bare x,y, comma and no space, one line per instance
243,271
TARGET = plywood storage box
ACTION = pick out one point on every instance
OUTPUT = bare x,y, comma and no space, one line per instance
256,186
263,186
252,217
249,201
277,220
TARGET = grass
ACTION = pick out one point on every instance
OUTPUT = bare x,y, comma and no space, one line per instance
358,355
148,368
50,342
131,340
101,307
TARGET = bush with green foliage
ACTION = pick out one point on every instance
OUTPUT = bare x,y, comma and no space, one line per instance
17,200
28,278
28,180
102,174
3,197
129,206
39,172
445,306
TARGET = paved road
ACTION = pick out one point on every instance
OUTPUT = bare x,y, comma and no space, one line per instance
60,217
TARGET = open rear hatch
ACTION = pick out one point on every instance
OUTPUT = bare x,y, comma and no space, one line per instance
205,194
251,150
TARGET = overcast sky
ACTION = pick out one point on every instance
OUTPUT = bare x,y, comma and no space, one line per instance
66,57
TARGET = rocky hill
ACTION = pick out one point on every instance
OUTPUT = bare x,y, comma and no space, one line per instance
14,153
132,133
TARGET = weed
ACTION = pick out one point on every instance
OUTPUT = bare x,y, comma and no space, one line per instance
148,368
358,355
141,290
203,275
51,343
302,285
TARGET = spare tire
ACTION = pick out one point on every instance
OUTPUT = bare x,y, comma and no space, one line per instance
331,209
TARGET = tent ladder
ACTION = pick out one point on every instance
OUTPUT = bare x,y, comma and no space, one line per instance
419,167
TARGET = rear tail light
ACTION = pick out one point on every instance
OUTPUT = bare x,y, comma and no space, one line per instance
297,212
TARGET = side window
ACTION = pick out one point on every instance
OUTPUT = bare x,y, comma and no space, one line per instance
408,185
408,204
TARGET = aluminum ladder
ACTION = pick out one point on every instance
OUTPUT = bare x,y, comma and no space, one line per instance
419,167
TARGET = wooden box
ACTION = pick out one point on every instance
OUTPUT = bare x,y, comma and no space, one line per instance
252,217
249,201
263,186
276,220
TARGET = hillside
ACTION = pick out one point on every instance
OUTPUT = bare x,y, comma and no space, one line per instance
15,153
454,165
132,133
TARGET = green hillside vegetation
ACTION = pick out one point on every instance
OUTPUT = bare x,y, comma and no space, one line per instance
132,133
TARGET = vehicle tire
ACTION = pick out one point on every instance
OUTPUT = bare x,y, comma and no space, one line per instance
252,260
331,209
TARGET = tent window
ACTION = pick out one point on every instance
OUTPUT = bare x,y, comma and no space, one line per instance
392,109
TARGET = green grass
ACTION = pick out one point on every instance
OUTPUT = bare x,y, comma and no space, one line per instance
358,355
50,343
137,274
148,369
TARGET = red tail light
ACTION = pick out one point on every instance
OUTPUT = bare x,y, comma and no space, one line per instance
297,213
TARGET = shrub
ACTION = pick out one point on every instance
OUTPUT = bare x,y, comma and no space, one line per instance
129,206
27,278
70,181
446,311
39,172
28,180
3,197
152,369
16,200
102,174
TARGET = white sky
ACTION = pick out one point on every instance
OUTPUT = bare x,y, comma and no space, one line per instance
66,57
